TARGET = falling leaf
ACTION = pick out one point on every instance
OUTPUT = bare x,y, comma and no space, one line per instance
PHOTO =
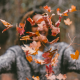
35,45
29,58
50,77
58,9
31,21
54,60
48,55
47,8
27,48
39,20
39,61
75,56
41,38
73,8
67,21
36,78
55,31
27,78
54,41
20,29
37,33
58,12
25,38
6,24
65,14
61,77
31,34
47,20
49,69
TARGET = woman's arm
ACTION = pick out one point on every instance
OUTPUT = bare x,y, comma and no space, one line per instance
65,63
69,64
7,61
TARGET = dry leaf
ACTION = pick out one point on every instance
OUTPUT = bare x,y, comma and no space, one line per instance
67,21
75,56
39,61
6,24
27,48
36,78
47,8
29,58
25,38
73,8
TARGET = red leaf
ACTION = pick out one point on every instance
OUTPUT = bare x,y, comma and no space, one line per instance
49,69
31,21
20,29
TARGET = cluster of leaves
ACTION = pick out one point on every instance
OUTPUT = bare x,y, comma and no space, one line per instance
39,38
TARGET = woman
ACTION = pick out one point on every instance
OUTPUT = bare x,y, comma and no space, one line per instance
14,59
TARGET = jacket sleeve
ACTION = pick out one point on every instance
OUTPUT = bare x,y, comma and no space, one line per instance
7,60
70,65
65,63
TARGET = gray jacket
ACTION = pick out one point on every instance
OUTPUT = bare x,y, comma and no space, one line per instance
14,61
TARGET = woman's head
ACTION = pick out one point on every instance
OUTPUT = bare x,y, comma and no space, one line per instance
35,14
39,26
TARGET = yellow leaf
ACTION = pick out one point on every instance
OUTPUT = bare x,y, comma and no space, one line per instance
75,56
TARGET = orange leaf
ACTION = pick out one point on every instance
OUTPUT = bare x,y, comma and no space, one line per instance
75,56
65,14
27,78
73,8
35,78
47,8
31,34
35,53
37,33
6,24
29,58
39,20
39,61
58,9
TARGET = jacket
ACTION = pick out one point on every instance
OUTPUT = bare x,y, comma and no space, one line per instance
14,61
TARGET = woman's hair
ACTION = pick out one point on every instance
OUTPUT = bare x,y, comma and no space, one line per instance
30,13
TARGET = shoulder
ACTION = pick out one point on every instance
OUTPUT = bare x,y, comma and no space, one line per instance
16,49
59,45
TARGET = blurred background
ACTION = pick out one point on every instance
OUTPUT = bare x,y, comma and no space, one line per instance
12,10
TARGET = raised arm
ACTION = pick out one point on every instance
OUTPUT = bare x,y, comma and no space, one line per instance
65,63
7,61
69,64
